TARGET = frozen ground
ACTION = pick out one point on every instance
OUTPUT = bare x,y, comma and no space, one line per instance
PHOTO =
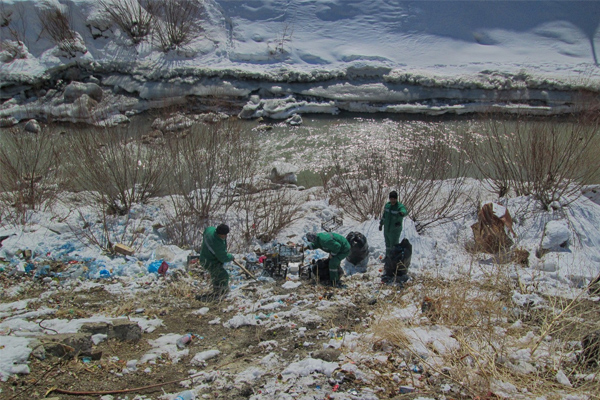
294,339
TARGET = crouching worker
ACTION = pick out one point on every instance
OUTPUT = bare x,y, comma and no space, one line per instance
336,245
212,257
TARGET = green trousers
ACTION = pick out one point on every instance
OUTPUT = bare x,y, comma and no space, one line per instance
334,264
392,238
218,276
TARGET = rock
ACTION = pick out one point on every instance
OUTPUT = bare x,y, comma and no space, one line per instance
563,379
282,172
329,355
556,234
68,344
125,330
294,120
177,123
33,126
8,122
77,89
82,107
94,328
591,348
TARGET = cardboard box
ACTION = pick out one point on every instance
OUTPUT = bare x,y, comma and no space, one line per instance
122,249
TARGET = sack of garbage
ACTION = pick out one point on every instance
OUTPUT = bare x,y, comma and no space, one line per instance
320,271
399,261
359,248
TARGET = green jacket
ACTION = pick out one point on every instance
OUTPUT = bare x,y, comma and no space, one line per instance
214,249
393,215
332,243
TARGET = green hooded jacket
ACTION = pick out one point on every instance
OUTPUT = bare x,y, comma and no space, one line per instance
332,243
214,249
392,217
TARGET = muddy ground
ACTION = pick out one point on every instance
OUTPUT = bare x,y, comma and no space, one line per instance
173,301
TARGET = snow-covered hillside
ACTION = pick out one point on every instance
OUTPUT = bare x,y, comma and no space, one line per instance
329,55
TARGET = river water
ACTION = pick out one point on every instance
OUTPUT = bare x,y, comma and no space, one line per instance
313,145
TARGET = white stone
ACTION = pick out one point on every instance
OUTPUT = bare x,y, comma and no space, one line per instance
556,233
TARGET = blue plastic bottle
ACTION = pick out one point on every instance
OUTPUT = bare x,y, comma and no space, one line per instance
187,395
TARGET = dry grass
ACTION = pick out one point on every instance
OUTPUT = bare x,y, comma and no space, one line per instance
498,340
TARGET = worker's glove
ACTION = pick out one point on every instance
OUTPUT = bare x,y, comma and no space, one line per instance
398,224
380,227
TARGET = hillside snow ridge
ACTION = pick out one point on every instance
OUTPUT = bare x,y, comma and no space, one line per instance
429,57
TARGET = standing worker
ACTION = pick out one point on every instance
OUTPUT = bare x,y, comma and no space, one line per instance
212,257
391,220
336,245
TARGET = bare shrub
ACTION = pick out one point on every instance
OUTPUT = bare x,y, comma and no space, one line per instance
359,188
263,212
421,161
56,23
5,16
14,21
11,50
120,170
284,37
105,229
204,168
430,176
133,18
178,22
549,159
29,171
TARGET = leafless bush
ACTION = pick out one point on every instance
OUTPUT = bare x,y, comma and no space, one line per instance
29,171
105,229
178,22
549,159
204,168
430,177
133,18
120,169
183,227
360,191
263,212
284,37
11,50
5,16
15,22
423,164
56,23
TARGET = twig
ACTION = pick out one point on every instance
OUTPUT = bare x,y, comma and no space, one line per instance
37,380
102,392
43,327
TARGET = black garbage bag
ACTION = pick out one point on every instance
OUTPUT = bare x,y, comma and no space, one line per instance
320,270
399,261
359,248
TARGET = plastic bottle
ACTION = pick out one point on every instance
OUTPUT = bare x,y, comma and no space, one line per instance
184,340
186,395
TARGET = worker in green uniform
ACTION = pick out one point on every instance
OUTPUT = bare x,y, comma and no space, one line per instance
391,222
336,245
212,257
